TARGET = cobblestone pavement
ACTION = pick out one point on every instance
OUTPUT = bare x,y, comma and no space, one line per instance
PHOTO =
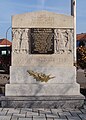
42,114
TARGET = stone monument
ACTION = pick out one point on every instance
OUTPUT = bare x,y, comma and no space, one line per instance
42,45
43,60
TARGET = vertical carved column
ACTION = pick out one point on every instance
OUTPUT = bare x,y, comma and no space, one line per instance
25,40
59,41
70,40
16,34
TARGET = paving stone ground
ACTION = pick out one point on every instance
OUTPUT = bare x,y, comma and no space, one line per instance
42,114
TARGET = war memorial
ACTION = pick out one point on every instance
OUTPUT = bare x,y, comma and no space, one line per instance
43,56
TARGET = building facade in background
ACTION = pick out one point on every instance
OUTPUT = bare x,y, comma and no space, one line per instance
81,39
5,54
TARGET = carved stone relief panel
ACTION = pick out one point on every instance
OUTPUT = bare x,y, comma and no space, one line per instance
21,40
43,41
16,35
63,41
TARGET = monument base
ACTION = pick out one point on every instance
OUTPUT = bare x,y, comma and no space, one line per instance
23,84
73,101
42,89
60,92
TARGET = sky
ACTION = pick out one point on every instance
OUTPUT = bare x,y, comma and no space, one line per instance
8,8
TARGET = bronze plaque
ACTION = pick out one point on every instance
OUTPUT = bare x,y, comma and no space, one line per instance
42,41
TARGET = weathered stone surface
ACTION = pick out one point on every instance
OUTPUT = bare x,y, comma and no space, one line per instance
59,73
69,101
42,19
41,89
58,45
23,59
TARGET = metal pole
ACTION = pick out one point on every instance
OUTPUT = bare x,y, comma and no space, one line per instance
73,13
7,31
6,39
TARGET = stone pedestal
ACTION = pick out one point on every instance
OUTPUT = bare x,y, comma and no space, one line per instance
63,83
59,92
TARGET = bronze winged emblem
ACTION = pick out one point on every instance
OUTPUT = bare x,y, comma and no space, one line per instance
39,76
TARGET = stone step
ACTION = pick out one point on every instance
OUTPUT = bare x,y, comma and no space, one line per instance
65,101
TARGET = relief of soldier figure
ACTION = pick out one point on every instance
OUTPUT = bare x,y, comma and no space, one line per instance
21,40
63,41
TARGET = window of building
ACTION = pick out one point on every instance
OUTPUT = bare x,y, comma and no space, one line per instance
3,52
8,51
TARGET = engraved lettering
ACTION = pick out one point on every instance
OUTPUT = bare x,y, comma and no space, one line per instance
42,41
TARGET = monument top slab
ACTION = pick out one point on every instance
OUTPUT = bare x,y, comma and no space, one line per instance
42,19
